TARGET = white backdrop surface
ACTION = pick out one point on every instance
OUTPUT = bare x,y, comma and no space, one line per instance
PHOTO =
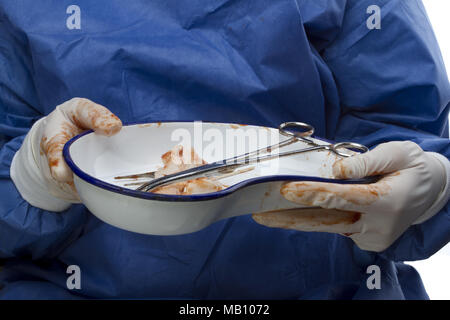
435,271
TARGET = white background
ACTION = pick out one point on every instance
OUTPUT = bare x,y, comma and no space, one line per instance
435,271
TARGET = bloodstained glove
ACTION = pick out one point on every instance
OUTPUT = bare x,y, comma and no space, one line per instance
414,187
38,169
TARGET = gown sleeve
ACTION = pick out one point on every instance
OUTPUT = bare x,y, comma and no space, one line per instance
392,86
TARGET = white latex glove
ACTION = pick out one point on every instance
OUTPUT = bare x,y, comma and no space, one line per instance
38,169
415,186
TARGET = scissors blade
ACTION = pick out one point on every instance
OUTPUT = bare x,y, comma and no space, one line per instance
137,176
211,169
207,170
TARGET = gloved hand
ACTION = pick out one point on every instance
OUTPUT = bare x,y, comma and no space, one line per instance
414,187
38,168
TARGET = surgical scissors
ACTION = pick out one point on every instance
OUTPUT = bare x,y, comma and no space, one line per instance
303,132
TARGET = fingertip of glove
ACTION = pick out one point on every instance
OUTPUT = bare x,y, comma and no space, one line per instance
343,169
256,217
97,117
300,192
354,167
108,125
290,187
338,169
264,219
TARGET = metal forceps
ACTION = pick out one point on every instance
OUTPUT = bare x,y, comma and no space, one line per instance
303,132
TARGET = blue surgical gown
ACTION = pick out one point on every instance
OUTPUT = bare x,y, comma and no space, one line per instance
259,62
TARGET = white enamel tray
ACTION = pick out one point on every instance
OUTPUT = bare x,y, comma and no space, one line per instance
96,160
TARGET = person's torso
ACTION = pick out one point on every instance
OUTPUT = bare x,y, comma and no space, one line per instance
224,61
228,61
